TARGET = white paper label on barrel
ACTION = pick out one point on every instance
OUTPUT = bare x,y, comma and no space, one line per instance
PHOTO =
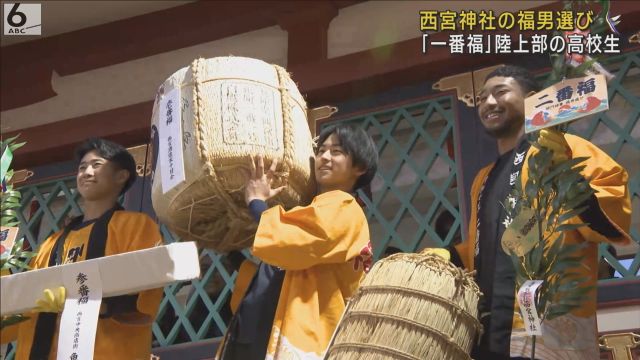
171,156
527,303
79,320
249,115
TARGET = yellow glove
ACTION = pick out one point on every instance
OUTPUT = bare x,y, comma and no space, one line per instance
554,140
52,301
443,253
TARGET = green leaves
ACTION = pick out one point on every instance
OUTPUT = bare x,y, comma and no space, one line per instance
570,297
14,147
581,70
563,167
536,257
555,194
11,143
16,257
559,67
569,227
10,201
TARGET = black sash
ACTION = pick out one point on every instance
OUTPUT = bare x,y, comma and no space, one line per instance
486,306
46,323
515,175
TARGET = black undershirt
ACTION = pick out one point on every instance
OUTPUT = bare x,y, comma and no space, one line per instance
496,276
250,328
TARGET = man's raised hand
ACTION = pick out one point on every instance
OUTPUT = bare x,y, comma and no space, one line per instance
258,186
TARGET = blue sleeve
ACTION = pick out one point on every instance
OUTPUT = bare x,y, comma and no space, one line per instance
256,208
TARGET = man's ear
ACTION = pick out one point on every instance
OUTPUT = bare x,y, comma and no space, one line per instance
122,176
359,171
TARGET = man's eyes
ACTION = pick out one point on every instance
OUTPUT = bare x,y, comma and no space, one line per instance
94,165
483,98
333,151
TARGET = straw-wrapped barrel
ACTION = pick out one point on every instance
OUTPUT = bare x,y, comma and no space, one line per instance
410,306
231,109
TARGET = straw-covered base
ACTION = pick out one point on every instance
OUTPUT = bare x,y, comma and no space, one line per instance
410,306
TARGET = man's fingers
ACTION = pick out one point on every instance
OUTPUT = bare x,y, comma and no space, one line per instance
41,304
259,166
62,296
252,167
49,296
272,169
554,141
551,144
274,165
50,302
552,135
277,191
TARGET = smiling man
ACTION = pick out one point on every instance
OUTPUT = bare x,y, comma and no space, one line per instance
501,111
105,171
313,256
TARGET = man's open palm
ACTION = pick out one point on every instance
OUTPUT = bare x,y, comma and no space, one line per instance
259,185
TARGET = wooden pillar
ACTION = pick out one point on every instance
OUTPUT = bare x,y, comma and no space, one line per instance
307,30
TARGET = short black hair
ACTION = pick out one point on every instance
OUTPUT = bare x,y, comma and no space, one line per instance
113,152
359,145
521,75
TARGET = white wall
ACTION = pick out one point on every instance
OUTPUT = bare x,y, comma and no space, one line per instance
136,81
619,319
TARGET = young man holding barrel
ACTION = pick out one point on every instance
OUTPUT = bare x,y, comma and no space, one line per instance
313,256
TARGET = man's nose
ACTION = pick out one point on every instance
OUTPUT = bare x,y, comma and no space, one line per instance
326,155
490,100
488,103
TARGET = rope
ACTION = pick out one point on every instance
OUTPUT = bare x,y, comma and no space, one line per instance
287,120
364,314
379,348
302,105
232,209
378,288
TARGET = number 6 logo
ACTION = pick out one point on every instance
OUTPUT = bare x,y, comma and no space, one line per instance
22,19
15,13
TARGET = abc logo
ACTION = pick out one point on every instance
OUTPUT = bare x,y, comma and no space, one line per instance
22,19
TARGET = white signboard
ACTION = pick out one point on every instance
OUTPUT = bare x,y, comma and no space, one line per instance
171,156
79,320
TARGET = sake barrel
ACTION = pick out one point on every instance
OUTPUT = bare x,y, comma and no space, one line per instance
410,306
229,109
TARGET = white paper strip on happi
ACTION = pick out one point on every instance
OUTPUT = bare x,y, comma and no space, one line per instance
229,110
120,274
